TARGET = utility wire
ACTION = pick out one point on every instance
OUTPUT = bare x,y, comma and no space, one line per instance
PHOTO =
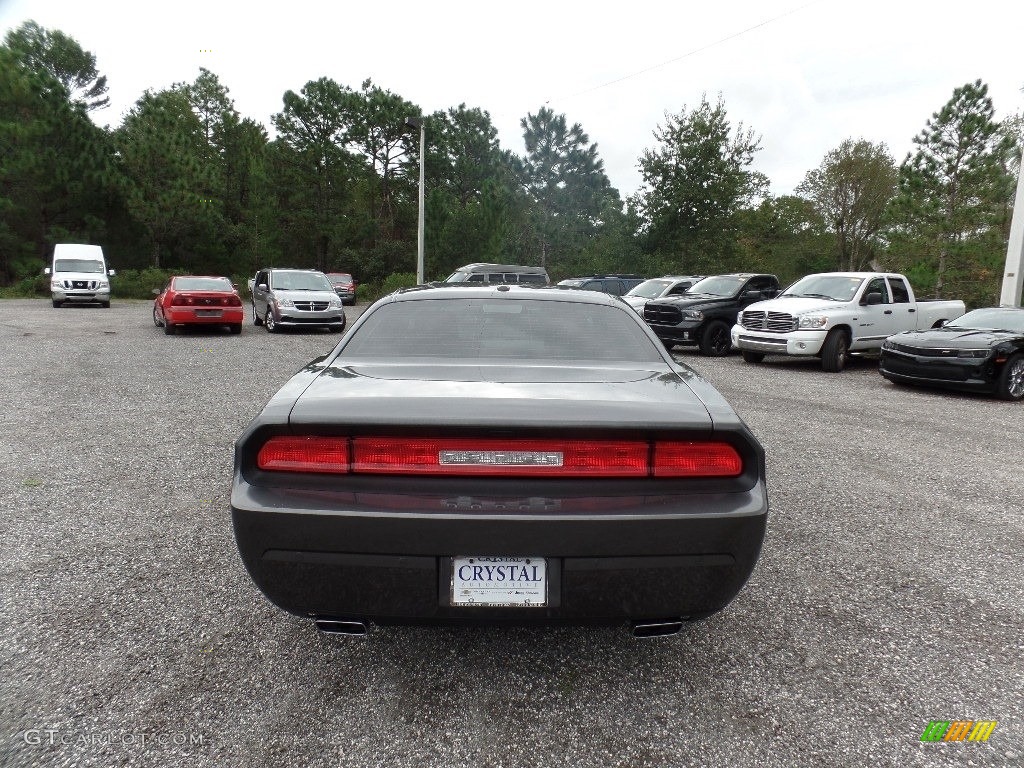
690,53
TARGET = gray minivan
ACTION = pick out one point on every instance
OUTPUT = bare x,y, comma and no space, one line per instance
498,274
295,297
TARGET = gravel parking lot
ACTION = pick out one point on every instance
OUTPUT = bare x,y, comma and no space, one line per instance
888,593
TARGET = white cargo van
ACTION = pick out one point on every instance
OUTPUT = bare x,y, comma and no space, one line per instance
79,274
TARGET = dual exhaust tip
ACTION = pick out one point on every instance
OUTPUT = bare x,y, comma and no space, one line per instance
356,628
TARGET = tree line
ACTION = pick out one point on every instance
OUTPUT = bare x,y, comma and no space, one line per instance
187,183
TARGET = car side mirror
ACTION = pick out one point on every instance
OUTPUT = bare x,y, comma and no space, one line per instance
111,272
46,270
751,295
872,298
940,323
155,291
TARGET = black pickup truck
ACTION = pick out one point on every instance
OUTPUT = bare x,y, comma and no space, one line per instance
706,313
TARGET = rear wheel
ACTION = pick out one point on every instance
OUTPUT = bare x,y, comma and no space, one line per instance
1011,379
835,352
256,319
752,357
168,327
236,328
156,318
715,340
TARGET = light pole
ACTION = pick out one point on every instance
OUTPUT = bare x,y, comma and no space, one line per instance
418,122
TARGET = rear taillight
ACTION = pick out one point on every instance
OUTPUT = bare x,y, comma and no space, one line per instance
517,458
495,457
696,459
305,454
234,301
181,300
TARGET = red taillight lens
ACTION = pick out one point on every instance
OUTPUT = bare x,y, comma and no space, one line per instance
679,459
510,458
234,301
305,454
498,458
181,300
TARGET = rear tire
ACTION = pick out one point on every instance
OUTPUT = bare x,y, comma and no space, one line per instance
835,352
236,329
752,357
715,341
256,319
1011,379
156,320
168,328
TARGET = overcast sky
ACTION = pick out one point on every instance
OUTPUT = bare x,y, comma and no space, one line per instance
804,75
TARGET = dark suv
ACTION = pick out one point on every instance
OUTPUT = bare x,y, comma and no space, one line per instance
706,313
616,285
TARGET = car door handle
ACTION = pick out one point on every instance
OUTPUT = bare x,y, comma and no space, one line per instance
887,312
911,310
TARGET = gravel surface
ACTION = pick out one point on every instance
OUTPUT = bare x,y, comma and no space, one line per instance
888,593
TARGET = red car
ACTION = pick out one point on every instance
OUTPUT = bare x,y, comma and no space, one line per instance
190,300
344,285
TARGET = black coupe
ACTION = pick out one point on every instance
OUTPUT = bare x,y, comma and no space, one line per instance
981,351
499,455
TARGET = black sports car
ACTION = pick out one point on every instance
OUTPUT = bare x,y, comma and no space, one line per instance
981,351
499,455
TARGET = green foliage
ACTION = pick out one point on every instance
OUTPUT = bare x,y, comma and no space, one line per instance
949,219
695,182
566,185
185,181
785,236
169,184
61,57
851,190
26,288
370,292
56,177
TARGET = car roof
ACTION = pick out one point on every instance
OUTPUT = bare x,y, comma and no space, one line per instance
479,291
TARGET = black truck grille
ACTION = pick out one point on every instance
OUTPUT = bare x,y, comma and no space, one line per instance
662,314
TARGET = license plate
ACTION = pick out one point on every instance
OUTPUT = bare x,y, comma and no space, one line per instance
499,581
208,313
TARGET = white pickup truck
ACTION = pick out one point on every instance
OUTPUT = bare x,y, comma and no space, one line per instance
834,314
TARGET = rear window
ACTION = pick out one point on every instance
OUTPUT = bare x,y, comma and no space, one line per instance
471,329
202,284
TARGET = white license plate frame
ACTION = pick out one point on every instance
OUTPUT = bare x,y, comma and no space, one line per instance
505,582
209,313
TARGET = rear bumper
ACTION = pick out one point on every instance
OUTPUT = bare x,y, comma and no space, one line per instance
684,556
190,316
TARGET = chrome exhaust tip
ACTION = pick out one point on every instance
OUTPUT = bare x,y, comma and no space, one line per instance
661,628
338,627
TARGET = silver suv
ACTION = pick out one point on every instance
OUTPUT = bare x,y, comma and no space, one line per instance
295,297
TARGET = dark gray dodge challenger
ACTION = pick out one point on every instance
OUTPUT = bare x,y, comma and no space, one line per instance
499,455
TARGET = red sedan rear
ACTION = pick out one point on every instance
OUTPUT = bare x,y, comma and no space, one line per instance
189,300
